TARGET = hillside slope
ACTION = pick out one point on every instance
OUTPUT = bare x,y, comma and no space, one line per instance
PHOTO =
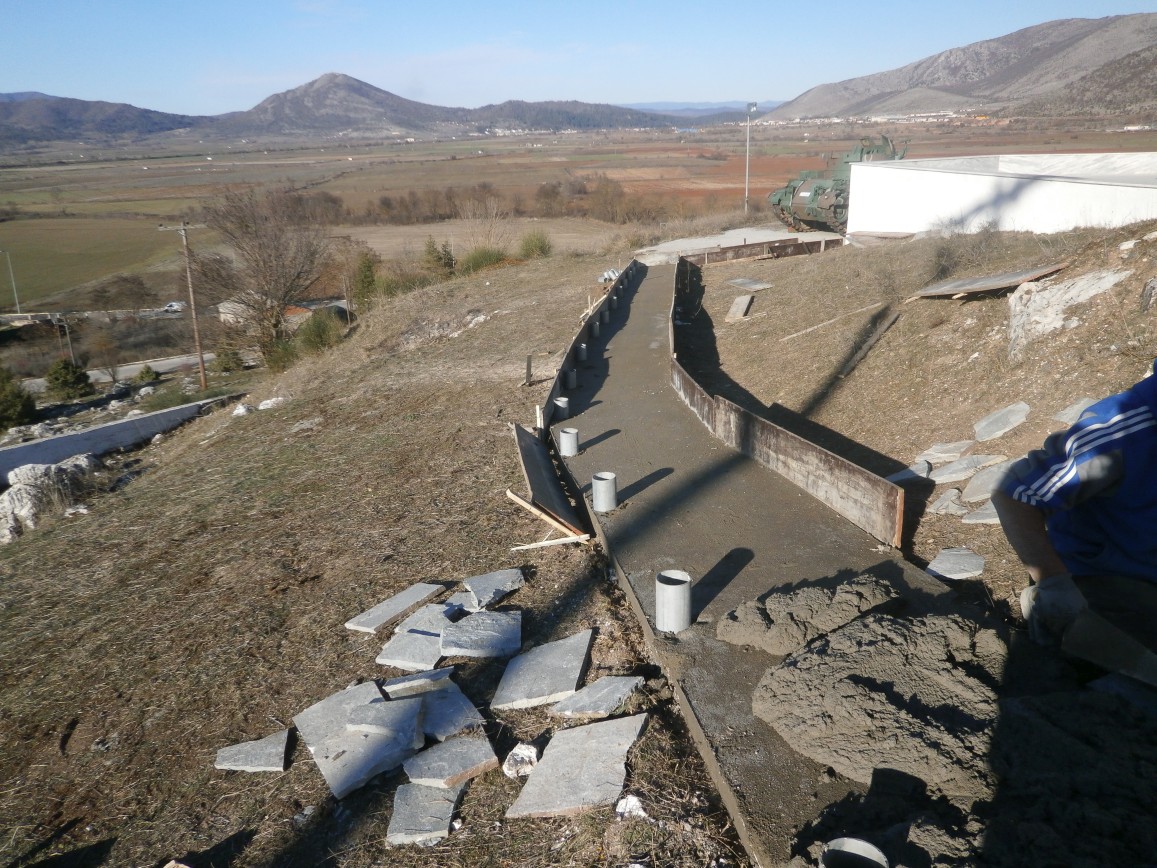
993,73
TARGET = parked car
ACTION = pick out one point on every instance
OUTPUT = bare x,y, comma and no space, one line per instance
174,307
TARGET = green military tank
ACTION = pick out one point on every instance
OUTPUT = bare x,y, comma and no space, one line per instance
819,199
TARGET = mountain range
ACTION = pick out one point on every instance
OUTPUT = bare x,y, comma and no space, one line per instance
1077,66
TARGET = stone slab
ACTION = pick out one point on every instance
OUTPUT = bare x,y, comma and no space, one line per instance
918,469
463,601
985,515
749,284
417,641
601,698
372,620
348,759
949,504
956,563
964,468
452,762
397,718
263,755
419,682
544,674
489,588
483,634
422,815
981,486
1072,413
739,308
582,768
942,453
1001,422
448,711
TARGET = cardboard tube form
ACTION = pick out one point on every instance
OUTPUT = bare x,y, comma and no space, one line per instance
568,442
672,601
604,492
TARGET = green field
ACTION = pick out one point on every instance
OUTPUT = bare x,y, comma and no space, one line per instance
52,255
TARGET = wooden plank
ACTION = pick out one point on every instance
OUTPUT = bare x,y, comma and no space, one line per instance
739,308
581,538
542,482
538,513
964,286
830,321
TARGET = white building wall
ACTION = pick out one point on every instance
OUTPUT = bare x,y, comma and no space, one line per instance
1030,193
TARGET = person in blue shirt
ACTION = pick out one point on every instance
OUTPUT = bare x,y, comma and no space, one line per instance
1085,504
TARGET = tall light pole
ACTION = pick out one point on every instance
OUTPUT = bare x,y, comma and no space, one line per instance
12,277
747,165
184,230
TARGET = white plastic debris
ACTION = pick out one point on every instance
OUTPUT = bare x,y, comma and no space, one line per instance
630,808
520,761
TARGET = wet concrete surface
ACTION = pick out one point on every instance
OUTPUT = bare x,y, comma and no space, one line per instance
688,502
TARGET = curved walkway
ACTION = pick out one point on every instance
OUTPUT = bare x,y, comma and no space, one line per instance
688,502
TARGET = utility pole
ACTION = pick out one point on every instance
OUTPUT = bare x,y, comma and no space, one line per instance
12,277
747,164
184,230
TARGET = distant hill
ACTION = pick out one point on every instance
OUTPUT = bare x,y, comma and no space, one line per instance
701,109
1125,88
58,118
24,95
1026,66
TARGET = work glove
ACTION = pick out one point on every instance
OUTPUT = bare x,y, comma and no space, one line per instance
1049,607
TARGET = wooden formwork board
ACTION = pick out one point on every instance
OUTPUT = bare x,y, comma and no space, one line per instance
546,491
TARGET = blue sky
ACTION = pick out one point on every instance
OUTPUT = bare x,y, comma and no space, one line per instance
211,56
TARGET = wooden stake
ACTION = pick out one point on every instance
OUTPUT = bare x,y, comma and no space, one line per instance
535,511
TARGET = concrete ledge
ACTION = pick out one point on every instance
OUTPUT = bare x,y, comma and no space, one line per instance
101,438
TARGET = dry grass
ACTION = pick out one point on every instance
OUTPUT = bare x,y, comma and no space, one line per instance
203,605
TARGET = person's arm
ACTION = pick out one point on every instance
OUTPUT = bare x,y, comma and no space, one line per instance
1024,526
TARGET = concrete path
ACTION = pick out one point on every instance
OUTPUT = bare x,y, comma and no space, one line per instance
688,502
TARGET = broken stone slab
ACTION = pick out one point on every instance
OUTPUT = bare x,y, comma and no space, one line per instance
784,623
942,453
463,601
490,588
544,674
964,468
372,620
391,717
417,642
1001,422
739,308
448,711
582,768
483,634
1072,413
420,682
422,815
955,564
981,486
918,469
346,758
263,755
1036,309
949,504
452,762
985,515
601,698
749,284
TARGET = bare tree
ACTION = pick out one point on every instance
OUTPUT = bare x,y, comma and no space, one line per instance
278,256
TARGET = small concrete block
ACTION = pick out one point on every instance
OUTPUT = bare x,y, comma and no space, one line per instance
452,762
416,643
964,468
739,308
916,470
484,634
981,486
264,755
371,620
956,563
985,515
1001,422
602,698
492,587
949,504
942,453
421,682
544,674
346,759
449,711
1072,413
422,815
582,768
